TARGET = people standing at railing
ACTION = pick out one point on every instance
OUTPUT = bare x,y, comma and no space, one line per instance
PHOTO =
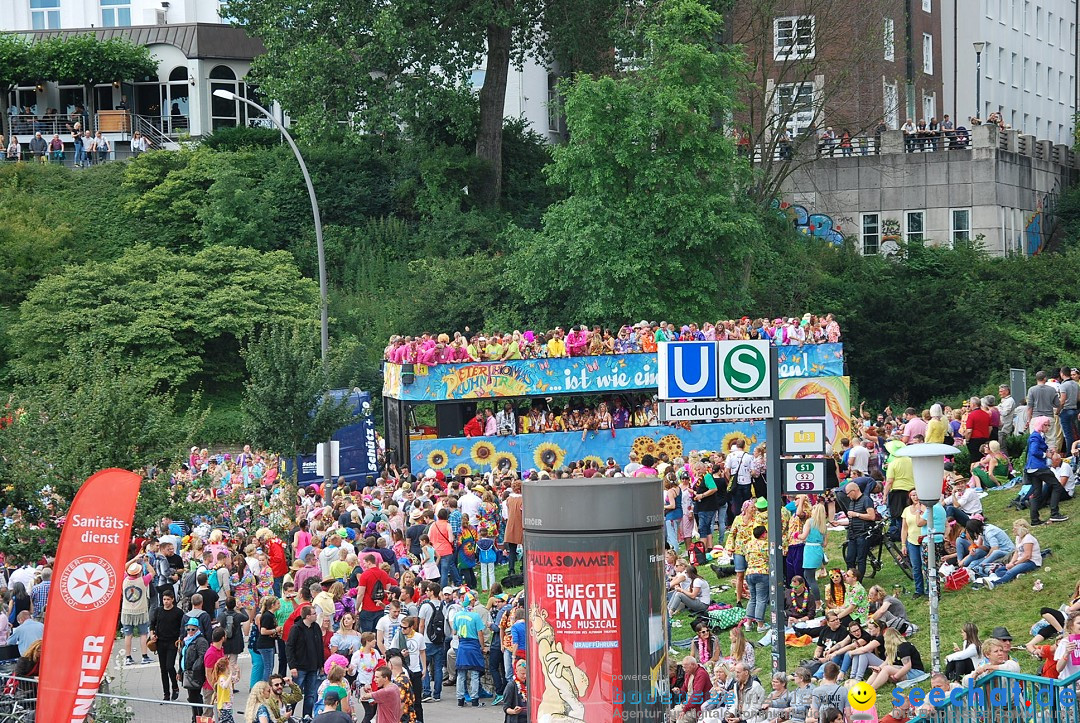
56,148
14,150
102,147
87,141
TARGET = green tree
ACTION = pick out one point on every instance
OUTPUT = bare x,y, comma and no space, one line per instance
98,411
182,317
89,61
286,404
18,64
655,208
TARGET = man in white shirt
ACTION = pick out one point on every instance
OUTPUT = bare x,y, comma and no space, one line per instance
469,504
386,630
506,421
329,555
859,459
1064,472
25,575
738,465
1006,408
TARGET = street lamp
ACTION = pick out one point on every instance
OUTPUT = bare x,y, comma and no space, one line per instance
323,297
928,468
979,47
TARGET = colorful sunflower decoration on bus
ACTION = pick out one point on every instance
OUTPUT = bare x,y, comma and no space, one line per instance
729,439
437,459
463,470
549,455
483,453
645,445
670,444
504,462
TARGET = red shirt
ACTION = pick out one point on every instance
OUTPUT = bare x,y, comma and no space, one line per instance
442,538
213,654
367,581
276,552
388,704
978,422
474,428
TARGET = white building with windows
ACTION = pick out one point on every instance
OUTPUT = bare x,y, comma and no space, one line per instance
1028,62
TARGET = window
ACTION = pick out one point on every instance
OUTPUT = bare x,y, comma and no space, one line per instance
554,109
929,106
793,37
960,228
1001,65
1027,17
794,107
891,106
1038,78
1038,23
226,113
890,39
871,233
914,226
928,53
1026,78
115,13
1001,12
1012,71
928,6
1050,28
45,14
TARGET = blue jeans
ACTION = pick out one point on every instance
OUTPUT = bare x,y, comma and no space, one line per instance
1068,428
80,153
448,571
256,668
277,586
759,595
857,549
980,568
266,655
367,620
308,680
914,554
705,521
433,674
963,548
671,533
495,665
721,523
1020,569
473,678
957,514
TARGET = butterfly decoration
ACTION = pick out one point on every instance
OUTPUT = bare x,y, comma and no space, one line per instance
511,443
544,365
622,362
456,450
781,357
838,354
551,372
595,366
815,367
419,457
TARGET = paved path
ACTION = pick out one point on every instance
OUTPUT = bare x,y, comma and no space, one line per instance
144,681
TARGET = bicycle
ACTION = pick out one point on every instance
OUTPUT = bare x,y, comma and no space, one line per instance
879,540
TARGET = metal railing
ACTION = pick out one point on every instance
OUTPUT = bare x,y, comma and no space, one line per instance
1002,697
933,141
169,125
144,125
28,125
20,705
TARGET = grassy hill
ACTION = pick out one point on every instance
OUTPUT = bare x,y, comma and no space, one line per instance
1015,605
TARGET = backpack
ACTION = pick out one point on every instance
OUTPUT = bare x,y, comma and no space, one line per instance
214,580
230,625
697,552
189,585
378,591
436,627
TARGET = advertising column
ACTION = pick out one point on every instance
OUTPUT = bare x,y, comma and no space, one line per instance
594,589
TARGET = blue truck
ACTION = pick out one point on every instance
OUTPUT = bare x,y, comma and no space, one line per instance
358,455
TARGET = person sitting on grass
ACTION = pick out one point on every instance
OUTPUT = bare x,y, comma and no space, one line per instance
902,662
1053,621
997,657
1026,557
982,545
962,660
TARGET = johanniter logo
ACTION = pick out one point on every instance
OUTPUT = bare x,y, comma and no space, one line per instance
744,368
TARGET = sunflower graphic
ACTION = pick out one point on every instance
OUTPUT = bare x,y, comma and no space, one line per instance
504,462
670,444
729,439
463,470
549,455
483,452
645,445
437,459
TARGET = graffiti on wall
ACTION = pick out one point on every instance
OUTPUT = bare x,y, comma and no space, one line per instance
820,225
1039,226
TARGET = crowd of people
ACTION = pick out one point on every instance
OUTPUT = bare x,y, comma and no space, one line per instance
431,349
359,601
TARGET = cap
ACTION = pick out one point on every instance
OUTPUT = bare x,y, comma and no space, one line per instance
192,623
762,503
331,697
479,488
448,590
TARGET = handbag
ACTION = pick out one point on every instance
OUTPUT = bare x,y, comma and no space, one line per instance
151,645
189,681
957,579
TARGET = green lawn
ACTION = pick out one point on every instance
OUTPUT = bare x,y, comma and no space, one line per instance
1015,605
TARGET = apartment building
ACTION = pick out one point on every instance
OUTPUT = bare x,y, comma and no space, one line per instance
1015,57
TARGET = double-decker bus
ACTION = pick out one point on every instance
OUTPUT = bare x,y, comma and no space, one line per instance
458,390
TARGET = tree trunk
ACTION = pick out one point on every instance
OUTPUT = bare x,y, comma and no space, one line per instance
492,102
5,117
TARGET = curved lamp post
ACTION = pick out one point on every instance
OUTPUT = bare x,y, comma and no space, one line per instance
323,297
928,467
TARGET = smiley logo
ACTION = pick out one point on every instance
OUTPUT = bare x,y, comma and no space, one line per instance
862,697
